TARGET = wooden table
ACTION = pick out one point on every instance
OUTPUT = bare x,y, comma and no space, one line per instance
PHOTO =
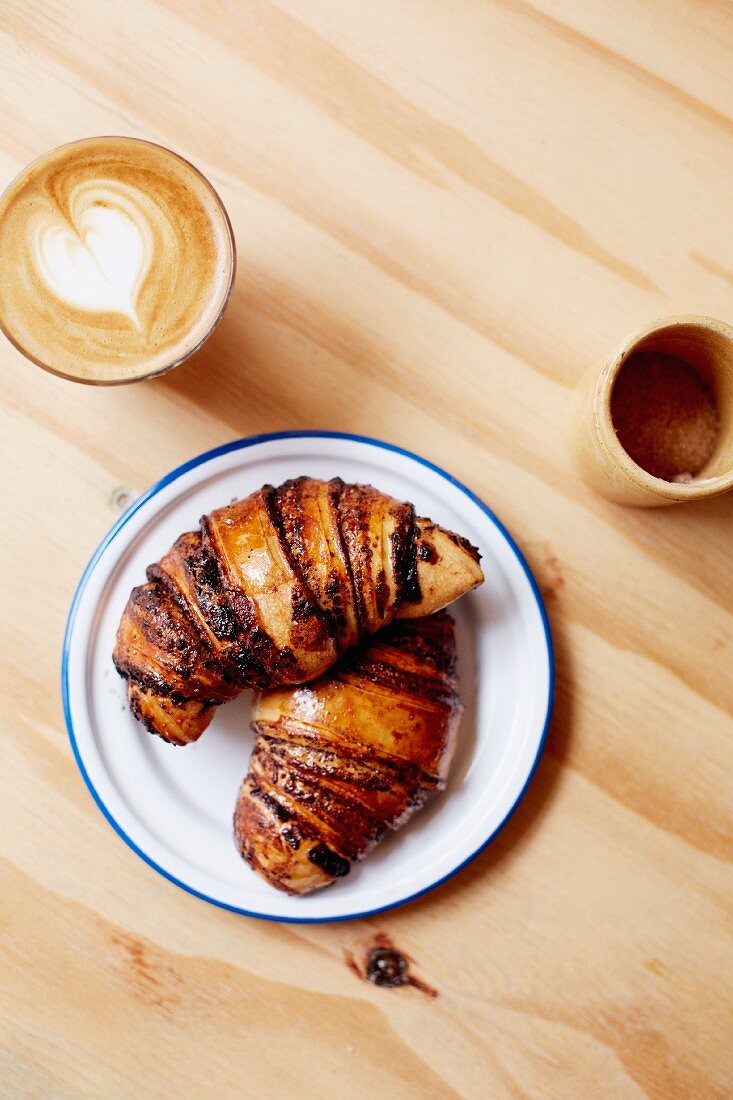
444,213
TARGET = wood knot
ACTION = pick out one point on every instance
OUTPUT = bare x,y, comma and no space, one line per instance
120,498
378,961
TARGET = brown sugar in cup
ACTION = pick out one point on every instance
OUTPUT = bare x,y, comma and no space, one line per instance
665,415
654,425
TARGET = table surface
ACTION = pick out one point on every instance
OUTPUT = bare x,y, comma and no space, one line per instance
444,212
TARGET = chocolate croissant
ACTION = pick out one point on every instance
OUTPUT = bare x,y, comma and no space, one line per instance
272,589
342,760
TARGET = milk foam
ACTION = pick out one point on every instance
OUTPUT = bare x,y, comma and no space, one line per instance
118,259
98,260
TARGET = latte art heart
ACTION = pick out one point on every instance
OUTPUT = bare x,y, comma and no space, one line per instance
98,262
118,259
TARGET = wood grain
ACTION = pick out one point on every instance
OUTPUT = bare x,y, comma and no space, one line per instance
445,212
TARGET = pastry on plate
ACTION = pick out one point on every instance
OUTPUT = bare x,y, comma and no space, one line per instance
272,589
341,761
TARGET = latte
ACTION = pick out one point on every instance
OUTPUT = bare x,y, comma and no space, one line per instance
117,260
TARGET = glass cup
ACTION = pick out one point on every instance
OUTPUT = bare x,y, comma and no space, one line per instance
65,289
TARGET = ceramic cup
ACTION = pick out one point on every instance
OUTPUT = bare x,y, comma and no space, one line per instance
704,346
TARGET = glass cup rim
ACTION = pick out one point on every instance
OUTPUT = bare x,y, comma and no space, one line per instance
225,300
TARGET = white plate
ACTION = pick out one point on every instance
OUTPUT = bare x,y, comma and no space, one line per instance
173,806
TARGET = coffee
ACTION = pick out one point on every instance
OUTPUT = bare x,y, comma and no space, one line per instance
117,260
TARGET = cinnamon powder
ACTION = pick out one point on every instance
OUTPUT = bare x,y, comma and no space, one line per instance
665,416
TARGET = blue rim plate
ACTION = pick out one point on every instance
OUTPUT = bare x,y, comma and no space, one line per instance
173,807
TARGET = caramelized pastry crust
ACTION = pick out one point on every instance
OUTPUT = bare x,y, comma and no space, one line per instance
272,589
339,762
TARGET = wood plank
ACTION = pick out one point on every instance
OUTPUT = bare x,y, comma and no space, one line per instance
444,214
